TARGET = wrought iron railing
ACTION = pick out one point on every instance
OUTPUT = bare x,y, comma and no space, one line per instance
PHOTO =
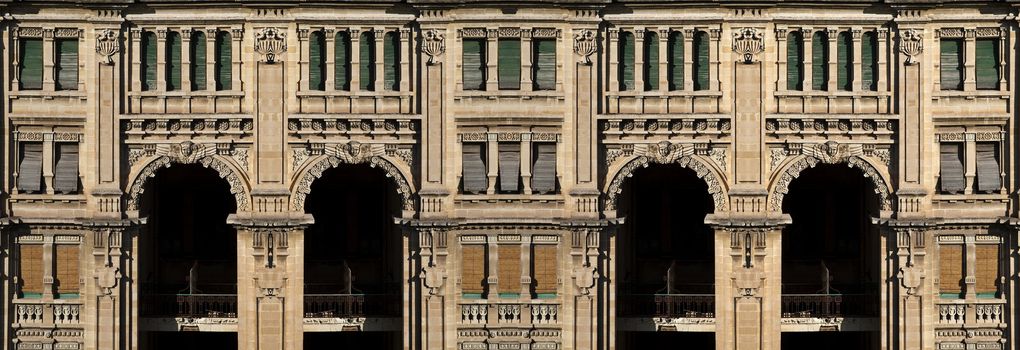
351,305
189,305
685,305
829,305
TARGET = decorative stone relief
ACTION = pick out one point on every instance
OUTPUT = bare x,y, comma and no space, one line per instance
472,32
270,42
911,44
668,153
829,153
351,153
107,45
585,45
748,42
776,156
433,44
240,155
718,155
186,153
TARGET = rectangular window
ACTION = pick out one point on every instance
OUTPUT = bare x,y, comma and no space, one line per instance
475,176
391,61
509,64
509,271
951,178
701,81
317,61
65,176
795,61
472,271
986,65
509,167
31,270
951,64
342,61
869,61
148,64
543,177
31,64
676,61
987,270
173,63
198,61
545,270
30,167
67,64
224,73
544,75
845,61
474,64
951,270
988,171
626,53
820,61
651,61
67,284
366,65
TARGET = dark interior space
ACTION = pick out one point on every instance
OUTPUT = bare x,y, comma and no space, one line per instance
829,340
190,340
666,340
351,340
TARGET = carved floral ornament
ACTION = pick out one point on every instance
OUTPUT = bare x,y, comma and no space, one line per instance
585,45
911,44
351,153
270,42
433,44
829,153
189,153
669,153
107,45
748,42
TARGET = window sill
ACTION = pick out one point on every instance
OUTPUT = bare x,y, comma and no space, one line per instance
48,94
838,93
509,198
509,94
660,94
975,197
187,94
48,198
352,94
970,95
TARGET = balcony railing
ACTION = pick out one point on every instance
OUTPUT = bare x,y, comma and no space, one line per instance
351,305
829,305
189,305
685,305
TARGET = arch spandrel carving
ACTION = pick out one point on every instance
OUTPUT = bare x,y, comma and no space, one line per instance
667,153
828,153
189,153
350,153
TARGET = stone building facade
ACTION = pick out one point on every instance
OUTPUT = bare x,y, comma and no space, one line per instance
432,174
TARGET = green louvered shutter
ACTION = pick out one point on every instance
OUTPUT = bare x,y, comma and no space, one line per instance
819,62
224,59
795,61
391,61
316,61
473,64
701,81
367,61
869,61
31,64
67,64
545,64
651,61
509,68
987,64
676,61
173,65
951,69
626,61
149,61
844,61
198,60
342,61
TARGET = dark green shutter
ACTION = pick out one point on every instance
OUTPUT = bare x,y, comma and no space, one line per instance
67,64
845,61
173,64
951,67
509,65
820,61
987,64
676,61
651,61
367,65
474,64
342,61
545,64
701,81
198,61
795,61
316,61
869,61
391,61
626,61
148,61
31,64
224,59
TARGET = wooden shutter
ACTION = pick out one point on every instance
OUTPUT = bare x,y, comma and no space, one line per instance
472,269
987,64
366,65
68,275
474,175
651,61
869,61
950,269
509,65
795,61
988,180
986,269
545,64
31,64
148,61
820,61
65,177
844,61
545,269
224,60
67,64
676,61
342,61
701,81
950,62
509,269
173,64
31,269
543,177
509,167
626,45
30,169
951,168
316,61
474,64
391,61
198,61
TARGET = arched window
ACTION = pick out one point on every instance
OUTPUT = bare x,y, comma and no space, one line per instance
701,78
651,61
316,61
676,61
148,68
198,59
173,61
869,61
845,61
626,61
224,74
391,61
342,61
820,61
795,61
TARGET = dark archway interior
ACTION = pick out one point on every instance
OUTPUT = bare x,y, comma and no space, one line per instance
666,339
192,340
350,340
829,340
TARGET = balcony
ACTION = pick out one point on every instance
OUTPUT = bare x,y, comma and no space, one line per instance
190,305
829,305
684,305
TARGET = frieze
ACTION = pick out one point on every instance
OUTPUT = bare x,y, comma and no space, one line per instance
30,32
472,33
508,238
472,239
950,33
545,33
509,32
993,32
987,239
67,33
545,239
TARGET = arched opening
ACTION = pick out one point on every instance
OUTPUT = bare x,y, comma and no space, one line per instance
353,257
831,257
664,257
187,256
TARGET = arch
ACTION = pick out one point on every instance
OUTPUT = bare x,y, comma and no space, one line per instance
234,177
781,185
351,153
665,153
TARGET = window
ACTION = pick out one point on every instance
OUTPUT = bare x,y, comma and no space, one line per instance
342,61
869,61
31,64
651,61
65,176
676,61
148,64
544,67
951,178
988,172
31,268
509,64
509,167
198,60
67,64
626,44
317,61
844,61
472,271
475,176
701,61
509,270
173,64
987,64
795,61
67,283
474,64
543,178
224,74
366,47
951,270
951,64
391,61
986,270
820,61
30,167
545,270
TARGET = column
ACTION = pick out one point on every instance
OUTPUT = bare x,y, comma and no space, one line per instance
330,73
102,128
808,54
664,75
405,65
48,64
380,64
526,64
969,56
355,60
639,59
969,161
585,137
186,59
855,75
160,60
305,38
783,59
526,162
689,56
492,161
833,60
614,60
48,160
492,60
236,41
210,59
110,294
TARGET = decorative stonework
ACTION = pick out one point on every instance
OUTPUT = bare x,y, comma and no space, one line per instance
351,153
107,45
747,43
433,44
911,44
187,153
829,153
585,45
668,153
270,42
